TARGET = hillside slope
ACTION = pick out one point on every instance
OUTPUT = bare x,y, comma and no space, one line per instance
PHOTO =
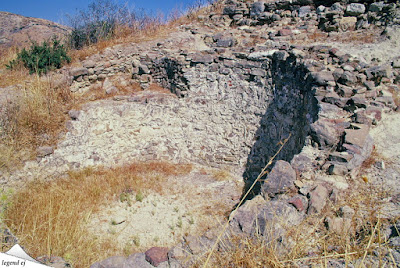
19,30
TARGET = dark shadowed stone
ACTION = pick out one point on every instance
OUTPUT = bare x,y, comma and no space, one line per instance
137,260
348,78
143,69
279,180
256,9
230,10
376,7
318,198
156,255
223,40
378,71
325,133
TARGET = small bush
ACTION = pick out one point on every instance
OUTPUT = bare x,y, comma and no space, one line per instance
98,22
41,58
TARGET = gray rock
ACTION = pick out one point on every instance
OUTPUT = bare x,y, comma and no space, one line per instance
339,226
112,262
279,180
376,6
326,133
379,71
275,218
357,136
89,64
355,9
74,114
321,9
54,261
346,212
137,260
322,78
202,58
44,151
317,199
348,78
230,10
224,40
108,87
256,9
77,72
304,11
246,215
261,55
337,7
143,69
270,219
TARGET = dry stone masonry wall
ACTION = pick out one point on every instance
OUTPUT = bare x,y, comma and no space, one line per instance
233,101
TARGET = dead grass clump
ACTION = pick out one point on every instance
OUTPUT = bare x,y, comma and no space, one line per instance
396,95
50,218
11,77
312,242
221,174
35,118
372,159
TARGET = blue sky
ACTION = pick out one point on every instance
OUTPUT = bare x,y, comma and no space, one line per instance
55,10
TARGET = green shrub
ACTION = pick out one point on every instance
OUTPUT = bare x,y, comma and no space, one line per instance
41,58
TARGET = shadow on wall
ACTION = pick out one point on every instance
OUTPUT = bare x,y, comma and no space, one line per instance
292,111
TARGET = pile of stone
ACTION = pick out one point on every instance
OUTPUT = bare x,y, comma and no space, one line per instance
326,99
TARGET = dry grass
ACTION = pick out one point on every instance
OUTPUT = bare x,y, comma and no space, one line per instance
311,242
152,29
8,77
34,118
50,218
354,37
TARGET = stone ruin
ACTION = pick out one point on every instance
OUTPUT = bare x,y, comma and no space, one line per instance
238,101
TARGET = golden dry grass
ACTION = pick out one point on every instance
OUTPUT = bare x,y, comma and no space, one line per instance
311,242
50,218
34,118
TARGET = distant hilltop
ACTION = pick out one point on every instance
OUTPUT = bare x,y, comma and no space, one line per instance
20,31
